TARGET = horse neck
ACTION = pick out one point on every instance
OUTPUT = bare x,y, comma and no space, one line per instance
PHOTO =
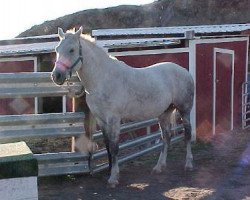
96,65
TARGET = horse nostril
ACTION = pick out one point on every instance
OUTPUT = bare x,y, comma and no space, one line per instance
58,75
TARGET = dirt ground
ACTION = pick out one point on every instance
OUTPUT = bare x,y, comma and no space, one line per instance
221,171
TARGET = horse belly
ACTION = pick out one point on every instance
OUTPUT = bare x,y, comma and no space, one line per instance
143,111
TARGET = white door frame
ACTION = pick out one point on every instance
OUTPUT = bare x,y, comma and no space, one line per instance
229,52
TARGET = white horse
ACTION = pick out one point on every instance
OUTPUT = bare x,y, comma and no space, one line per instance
116,91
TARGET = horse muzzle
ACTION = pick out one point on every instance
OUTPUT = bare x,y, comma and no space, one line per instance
58,76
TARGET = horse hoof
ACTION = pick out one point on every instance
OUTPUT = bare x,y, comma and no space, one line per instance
156,170
112,184
159,168
189,168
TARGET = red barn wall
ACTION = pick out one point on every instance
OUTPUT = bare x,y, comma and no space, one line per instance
204,83
181,58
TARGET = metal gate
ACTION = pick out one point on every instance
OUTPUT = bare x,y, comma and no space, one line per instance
245,105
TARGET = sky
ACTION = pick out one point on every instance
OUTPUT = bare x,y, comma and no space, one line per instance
17,16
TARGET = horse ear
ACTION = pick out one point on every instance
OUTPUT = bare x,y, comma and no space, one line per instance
60,33
79,32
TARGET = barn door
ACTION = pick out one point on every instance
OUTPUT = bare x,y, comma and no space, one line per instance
223,90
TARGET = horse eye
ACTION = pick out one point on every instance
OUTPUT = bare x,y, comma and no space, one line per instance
71,51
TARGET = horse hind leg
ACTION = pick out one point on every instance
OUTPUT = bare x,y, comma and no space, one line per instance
84,143
188,137
165,125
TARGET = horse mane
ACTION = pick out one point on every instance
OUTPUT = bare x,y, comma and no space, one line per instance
87,37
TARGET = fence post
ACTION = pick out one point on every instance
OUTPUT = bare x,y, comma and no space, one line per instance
18,172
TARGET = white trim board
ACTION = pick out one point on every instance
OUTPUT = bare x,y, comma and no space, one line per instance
192,71
149,52
230,52
221,40
247,57
131,42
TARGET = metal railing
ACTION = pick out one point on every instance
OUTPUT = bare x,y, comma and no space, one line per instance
33,85
245,106
28,126
21,127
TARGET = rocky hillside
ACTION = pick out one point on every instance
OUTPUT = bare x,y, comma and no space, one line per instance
158,13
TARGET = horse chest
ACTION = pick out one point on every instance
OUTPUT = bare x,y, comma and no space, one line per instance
99,104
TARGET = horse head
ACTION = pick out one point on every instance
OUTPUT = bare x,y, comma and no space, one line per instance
68,56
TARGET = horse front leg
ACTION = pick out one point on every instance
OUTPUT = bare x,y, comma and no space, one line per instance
114,176
111,139
106,141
